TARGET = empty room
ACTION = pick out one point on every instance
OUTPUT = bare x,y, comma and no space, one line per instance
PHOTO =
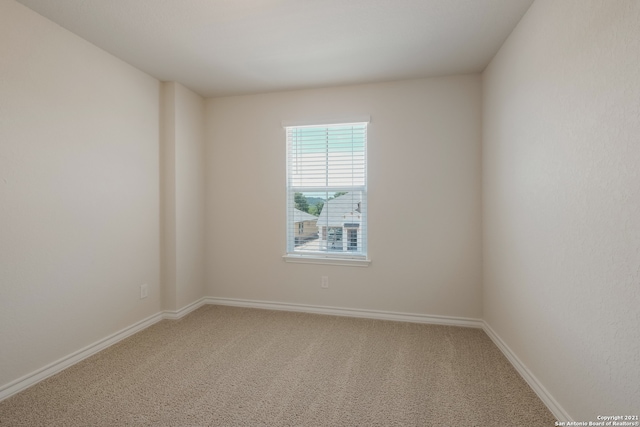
319,213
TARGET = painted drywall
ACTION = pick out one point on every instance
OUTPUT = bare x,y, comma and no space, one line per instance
168,275
424,198
183,219
561,194
79,193
190,195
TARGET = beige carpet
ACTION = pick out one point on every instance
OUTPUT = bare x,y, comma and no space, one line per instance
224,366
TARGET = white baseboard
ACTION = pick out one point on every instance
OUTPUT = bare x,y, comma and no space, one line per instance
544,395
350,312
178,314
59,365
35,377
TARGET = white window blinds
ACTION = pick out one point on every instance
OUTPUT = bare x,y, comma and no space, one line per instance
327,190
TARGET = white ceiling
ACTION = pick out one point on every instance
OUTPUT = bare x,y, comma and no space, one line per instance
223,47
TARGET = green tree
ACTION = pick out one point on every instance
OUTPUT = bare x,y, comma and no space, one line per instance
316,209
301,202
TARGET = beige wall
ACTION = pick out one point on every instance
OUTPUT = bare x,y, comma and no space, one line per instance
424,198
168,233
79,193
183,220
562,201
190,194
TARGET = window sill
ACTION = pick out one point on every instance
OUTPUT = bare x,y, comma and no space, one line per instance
326,260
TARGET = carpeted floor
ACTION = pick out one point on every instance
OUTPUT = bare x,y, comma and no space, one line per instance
225,366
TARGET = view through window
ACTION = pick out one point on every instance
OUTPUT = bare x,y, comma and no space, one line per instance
327,190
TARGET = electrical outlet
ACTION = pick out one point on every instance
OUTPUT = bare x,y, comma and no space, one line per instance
144,290
324,282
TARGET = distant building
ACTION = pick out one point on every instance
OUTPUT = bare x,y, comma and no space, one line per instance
340,223
305,227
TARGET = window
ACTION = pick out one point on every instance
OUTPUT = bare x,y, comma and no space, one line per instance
327,188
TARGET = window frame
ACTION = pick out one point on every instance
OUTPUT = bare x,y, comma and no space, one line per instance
346,257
